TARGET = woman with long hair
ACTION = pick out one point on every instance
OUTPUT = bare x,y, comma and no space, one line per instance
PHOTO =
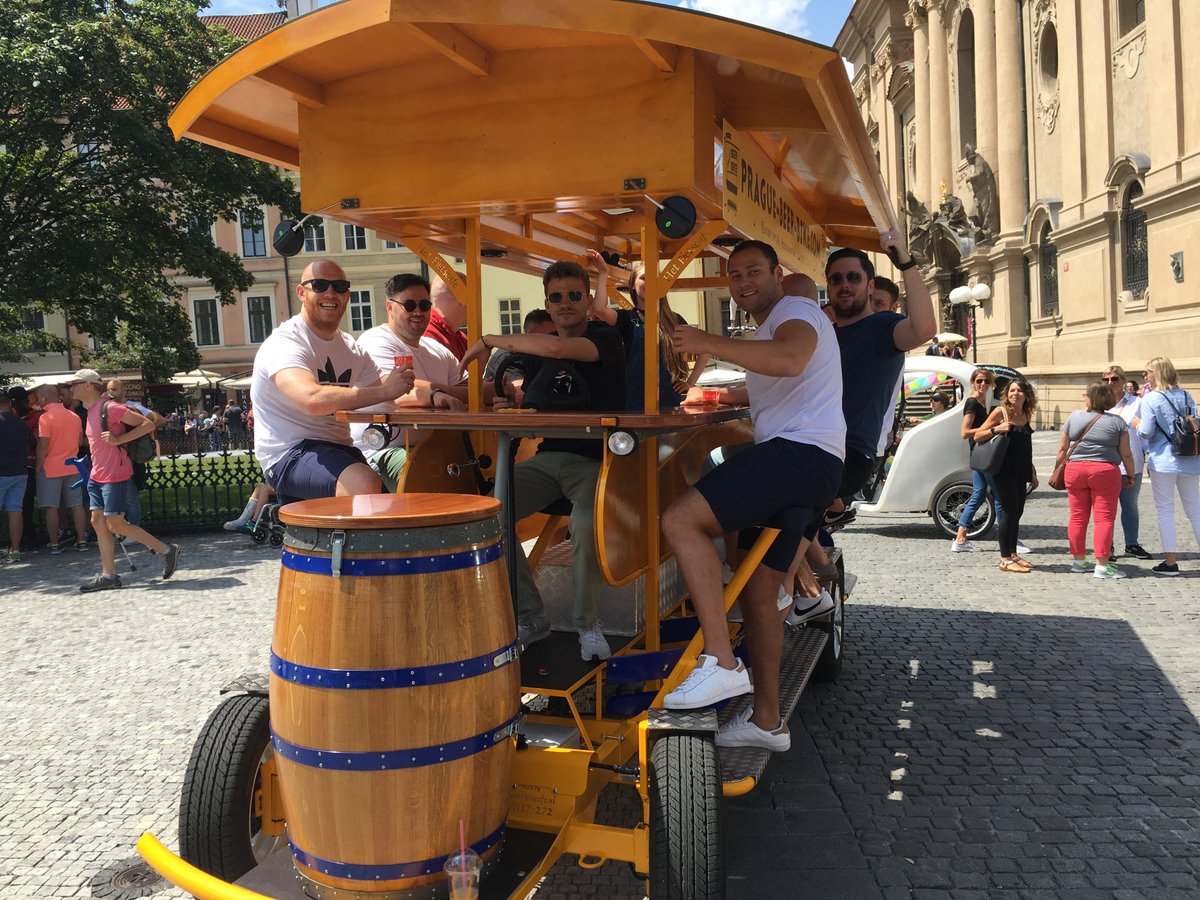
1094,477
1169,472
674,374
1128,405
1013,417
975,411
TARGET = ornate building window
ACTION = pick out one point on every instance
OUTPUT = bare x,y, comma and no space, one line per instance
966,80
1048,269
1134,247
1130,14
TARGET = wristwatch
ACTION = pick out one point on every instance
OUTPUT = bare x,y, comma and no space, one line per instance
904,267
433,396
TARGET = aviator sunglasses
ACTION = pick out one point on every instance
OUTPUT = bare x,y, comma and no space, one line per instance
321,285
414,305
559,296
850,278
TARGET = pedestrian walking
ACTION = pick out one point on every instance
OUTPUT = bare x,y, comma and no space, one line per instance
1129,407
1169,471
112,478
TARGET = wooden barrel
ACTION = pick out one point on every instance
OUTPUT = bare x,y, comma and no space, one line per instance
394,688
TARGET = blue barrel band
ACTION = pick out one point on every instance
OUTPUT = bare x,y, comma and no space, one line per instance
378,679
387,760
404,565
392,871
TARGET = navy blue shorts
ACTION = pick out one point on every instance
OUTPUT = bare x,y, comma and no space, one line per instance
779,483
310,470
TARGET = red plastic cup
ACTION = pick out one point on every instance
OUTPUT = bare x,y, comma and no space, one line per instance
710,396
404,361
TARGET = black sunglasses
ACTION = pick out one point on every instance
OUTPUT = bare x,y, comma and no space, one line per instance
1111,379
321,285
850,278
413,305
559,296
982,381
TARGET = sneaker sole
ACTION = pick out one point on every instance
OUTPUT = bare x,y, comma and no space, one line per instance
1165,574
708,701
780,747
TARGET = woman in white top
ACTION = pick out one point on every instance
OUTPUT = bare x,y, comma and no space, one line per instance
1129,407
1166,402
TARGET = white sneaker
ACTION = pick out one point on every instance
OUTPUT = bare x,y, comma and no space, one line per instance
537,629
962,546
741,732
1108,571
810,607
1022,549
782,602
1081,567
592,643
709,683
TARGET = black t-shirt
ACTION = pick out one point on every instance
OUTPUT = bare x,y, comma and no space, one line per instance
14,445
233,417
977,413
605,380
631,324
871,365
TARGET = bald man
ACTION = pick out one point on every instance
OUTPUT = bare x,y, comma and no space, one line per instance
304,372
448,317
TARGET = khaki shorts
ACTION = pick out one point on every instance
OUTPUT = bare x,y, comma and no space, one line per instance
53,492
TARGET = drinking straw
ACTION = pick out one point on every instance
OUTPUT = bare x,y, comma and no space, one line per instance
462,846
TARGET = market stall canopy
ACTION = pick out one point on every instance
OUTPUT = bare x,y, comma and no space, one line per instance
196,378
551,121
241,383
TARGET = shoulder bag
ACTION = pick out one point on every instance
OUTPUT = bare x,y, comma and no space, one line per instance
987,457
1058,478
1185,430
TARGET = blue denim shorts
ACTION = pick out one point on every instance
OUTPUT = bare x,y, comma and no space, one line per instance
112,498
12,492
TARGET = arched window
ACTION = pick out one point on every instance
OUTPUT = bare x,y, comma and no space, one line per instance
966,80
1048,266
1134,247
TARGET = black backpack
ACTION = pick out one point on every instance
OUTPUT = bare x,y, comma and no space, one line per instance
551,385
139,451
1185,430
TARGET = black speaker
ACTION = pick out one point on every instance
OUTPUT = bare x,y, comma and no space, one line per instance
288,237
676,217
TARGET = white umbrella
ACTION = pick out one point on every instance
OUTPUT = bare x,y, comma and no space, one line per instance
196,378
237,384
949,337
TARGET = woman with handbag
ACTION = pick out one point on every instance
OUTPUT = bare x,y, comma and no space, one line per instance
1129,407
1098,444
1009,424
1169,470
975,412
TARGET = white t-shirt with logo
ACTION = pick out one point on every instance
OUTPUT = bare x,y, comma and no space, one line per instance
278,424
806,408
431,362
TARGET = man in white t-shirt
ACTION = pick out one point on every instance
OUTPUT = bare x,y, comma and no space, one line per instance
435,367
794,387
305,371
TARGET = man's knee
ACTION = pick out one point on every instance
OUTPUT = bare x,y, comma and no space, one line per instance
690,513
358,478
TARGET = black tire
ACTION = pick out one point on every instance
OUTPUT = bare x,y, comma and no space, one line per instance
829,666
258,536
276,538
948,505
218,831
686,856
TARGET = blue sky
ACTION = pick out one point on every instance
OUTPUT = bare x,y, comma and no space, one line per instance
816,20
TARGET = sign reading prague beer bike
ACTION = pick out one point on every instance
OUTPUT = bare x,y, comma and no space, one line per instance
758,205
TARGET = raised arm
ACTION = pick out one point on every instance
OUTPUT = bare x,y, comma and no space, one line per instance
993,425
921,324
600,309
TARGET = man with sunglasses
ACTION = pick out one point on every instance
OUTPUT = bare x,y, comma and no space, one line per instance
305,371
565,468
435,367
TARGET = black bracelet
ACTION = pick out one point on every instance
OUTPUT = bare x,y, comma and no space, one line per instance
904,267
433,396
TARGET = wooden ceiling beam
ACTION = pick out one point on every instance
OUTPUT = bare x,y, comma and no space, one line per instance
663,56
302,90
455,46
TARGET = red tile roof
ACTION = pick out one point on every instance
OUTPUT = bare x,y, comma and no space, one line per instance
249,26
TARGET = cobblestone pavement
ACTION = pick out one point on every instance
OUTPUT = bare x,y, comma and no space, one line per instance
992,735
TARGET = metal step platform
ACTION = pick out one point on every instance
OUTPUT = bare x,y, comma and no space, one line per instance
801,650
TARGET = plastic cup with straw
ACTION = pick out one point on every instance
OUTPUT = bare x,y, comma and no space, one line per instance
463,868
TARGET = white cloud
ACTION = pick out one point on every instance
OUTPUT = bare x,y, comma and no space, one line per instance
788,16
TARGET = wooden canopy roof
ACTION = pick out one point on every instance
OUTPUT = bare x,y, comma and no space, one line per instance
541,120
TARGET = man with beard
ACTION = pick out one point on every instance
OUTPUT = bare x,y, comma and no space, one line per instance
585,360
794,387
434,366
306,370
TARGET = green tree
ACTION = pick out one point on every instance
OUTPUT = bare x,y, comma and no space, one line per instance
99,205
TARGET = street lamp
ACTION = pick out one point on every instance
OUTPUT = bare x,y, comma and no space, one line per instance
971,297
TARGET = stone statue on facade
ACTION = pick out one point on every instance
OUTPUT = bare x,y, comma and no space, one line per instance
982,181
941,239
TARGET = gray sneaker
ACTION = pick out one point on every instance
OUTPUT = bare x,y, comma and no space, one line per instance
537,629
170,560
593,643
101,582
